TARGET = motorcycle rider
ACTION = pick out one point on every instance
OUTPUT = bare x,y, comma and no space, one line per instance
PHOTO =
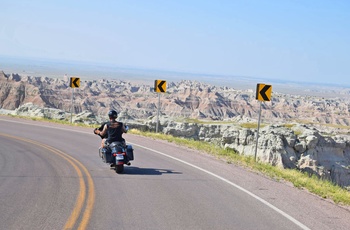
112,130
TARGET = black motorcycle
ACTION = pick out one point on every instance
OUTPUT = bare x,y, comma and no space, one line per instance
117,154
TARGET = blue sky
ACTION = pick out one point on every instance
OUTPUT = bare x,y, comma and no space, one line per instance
298,40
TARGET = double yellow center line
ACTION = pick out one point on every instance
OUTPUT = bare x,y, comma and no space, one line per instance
86,197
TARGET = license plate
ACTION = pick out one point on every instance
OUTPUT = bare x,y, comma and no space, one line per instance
119,157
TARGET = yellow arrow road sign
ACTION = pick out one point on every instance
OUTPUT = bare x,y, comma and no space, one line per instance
263,92
74,82
160,86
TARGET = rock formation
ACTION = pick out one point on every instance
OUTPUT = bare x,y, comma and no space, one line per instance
185,99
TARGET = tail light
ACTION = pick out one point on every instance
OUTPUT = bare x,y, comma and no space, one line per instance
115,154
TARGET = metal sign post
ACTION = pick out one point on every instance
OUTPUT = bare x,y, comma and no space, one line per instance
74,83
158,113
159,87
263,93
257,133
71,109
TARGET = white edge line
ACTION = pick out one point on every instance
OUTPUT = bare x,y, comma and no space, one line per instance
233,184
302,226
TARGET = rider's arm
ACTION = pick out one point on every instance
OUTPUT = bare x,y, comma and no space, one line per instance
103,132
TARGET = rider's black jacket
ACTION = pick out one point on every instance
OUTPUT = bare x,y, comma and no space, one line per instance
115,131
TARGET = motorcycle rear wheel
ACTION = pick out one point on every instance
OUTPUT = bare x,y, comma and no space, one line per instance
119,168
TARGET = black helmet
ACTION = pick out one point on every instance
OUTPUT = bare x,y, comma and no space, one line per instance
112,114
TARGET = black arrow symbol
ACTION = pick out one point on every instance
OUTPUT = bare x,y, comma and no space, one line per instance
74,82
263,92
160,86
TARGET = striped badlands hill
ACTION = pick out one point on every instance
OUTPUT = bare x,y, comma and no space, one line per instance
184,99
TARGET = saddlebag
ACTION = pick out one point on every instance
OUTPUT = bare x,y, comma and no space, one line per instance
107,154
130,152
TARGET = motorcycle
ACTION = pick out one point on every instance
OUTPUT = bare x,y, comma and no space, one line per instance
117,154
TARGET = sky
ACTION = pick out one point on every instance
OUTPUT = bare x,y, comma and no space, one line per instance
297,40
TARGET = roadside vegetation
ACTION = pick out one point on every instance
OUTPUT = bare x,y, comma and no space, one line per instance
63,122
322,188
198,121
252,125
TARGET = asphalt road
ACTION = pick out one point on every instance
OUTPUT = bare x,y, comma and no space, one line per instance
51,178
